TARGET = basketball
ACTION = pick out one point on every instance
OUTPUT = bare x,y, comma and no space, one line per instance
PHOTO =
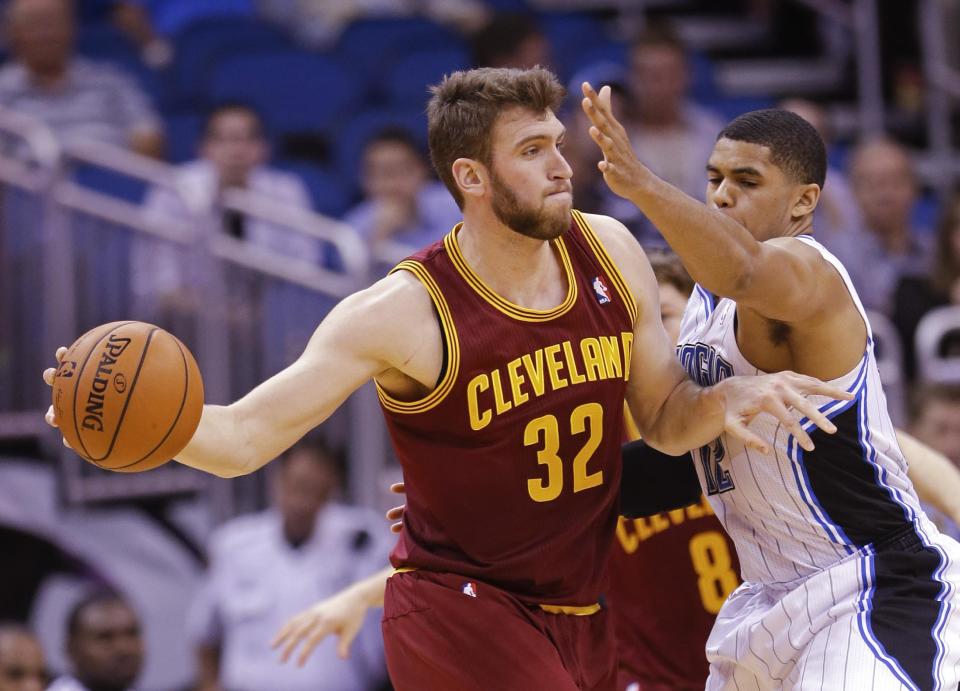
128,396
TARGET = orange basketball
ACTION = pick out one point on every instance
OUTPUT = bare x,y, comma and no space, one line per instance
128,396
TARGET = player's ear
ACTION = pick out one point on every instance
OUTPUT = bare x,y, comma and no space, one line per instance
806,200
470,176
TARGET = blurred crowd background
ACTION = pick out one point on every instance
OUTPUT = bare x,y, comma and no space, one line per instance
230,169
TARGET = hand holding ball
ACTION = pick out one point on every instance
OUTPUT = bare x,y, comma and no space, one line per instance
127,396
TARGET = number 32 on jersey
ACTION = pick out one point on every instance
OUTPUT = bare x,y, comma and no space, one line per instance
543,433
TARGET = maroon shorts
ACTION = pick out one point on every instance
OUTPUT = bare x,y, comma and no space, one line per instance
444,632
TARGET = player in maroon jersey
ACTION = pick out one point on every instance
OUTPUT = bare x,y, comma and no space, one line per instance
502,356
669,572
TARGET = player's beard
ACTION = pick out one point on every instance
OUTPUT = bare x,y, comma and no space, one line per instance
539,223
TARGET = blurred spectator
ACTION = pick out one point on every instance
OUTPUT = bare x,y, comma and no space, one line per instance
837,210
318,23
403,208
77,98
104,645
266,567
590,192
233,154
673,135
675,286
511,40
21,659
886,246
132,18
919,293
936,422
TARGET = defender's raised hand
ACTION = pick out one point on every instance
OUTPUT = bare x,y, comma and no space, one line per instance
782,395
621,170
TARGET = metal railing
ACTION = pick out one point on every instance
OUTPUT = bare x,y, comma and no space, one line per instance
943,90
65,246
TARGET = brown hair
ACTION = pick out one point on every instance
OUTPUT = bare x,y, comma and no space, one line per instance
669,270
946,264
464,108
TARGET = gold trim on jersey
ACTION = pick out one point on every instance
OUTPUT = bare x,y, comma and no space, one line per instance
572,610
450,336
502,304
608,264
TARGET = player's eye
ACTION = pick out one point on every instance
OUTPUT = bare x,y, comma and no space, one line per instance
748,183
531,151
714,180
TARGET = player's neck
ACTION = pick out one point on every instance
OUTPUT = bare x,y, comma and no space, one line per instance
526,271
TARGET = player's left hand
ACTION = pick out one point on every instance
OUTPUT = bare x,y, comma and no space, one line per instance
781,395
340,615
621,170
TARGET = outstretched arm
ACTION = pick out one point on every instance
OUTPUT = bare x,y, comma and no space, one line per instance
385,327
339,615
673,413
782,279
935,478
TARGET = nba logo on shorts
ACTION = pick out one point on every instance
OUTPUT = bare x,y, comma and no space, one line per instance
600,288
469,588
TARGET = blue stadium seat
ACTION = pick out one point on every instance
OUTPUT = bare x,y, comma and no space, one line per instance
407,80
184,130
104,41
572,34
351,138
202,44
296,91
171,16
370,45
330,192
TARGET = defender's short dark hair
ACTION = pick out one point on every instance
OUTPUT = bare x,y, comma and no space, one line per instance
464,108
795,146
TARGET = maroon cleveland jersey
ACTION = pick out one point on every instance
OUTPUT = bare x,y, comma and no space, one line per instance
669,574
512,463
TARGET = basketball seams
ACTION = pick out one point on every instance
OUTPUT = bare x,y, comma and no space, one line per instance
130,390
76,386
176,419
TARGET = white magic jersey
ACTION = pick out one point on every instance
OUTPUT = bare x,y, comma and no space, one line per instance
792,513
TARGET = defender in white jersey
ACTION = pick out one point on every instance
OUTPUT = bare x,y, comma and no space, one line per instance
847,584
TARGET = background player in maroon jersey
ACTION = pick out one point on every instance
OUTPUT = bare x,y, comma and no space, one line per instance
497,397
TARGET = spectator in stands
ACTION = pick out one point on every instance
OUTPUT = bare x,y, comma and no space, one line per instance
233,154
319,23
510,40
21,659
675,135
936,422
104,645
886,246
836,212
77,98
266,567
917,294
403,207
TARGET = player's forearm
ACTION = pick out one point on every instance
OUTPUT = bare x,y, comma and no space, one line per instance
691,417
719,253
935,478
370,589
219,446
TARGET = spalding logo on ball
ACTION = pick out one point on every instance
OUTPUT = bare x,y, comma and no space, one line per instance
128,396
